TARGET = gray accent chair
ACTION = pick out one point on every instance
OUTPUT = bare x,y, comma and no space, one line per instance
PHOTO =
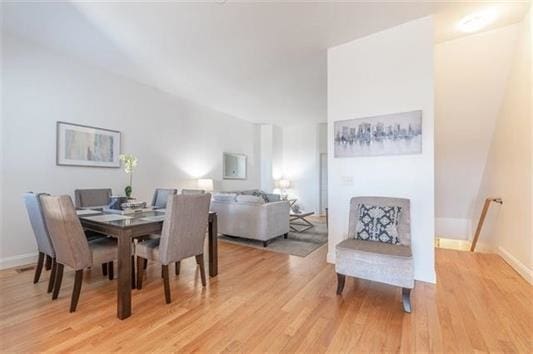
71,246
92,198
192,191
372,260
183,236
159,200
44,243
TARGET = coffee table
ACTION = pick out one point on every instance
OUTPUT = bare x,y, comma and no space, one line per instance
299,223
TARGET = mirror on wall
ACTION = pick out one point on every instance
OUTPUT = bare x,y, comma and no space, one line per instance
234,166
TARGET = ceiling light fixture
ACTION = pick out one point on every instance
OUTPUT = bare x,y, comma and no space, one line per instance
477,21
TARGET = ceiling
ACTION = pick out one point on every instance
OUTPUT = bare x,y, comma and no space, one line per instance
262,62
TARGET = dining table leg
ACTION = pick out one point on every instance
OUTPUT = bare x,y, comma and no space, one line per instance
124,275
213,245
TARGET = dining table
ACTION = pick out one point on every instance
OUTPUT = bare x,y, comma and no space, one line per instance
126,228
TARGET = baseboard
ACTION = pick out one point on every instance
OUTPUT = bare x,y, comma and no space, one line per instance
520,268
330,258
16,261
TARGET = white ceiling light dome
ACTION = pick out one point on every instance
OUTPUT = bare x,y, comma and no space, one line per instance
477,20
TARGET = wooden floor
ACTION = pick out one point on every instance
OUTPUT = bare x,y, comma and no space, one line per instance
264,301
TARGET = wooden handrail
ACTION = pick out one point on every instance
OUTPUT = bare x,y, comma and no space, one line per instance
482,220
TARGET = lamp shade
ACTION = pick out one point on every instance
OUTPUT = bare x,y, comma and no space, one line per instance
206,184
284,183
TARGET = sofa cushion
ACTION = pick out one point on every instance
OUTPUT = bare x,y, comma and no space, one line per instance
224,197
378,223
250,199
376,261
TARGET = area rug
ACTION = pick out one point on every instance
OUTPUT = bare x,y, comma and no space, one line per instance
297,244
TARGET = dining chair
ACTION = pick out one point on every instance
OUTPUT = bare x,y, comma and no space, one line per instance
192,191
159,200
44,243
87,198
182,236
71,246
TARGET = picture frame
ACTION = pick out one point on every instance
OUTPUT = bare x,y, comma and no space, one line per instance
388,134
86,146
234,166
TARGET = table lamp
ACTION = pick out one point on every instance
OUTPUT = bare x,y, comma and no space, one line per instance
206,184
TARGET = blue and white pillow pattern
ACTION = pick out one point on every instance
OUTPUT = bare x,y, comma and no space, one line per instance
378,223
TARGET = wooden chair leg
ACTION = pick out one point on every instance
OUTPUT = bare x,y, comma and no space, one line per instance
52,276
178,266
104,269
166,282
110,270
48,263
57,281
38,268
145,264
140,272
341,278
200,261
406,299
78,278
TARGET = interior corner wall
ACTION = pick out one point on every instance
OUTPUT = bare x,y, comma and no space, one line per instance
386,72
174,139
508,171
468,96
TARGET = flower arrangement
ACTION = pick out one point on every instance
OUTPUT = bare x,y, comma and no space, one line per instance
129,162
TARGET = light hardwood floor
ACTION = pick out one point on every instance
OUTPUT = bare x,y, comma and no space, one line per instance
264,301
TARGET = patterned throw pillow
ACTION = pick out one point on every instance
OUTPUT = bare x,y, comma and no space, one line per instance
378,223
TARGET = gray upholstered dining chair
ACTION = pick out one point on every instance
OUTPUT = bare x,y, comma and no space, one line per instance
44,243
183,236
159,200
192,191
71,246
90,198
383,254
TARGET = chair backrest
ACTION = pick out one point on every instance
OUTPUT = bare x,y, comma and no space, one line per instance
192,191
184,227
404,224
160,197
35,213
68,238
86,198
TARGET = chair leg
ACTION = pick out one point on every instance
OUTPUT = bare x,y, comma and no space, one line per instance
78,278
57,281
133,278
52,276
286,235
145,265
39,268
341,278
166,282
406,299
104,269
178,266
48,263
200,261
110,271
140,272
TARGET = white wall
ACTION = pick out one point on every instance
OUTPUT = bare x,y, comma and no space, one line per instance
301,164
508,173
390,71
470,81
174,139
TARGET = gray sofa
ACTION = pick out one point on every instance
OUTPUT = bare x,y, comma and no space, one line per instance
372,260
250,216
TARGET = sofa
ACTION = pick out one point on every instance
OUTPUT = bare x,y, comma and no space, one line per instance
251,214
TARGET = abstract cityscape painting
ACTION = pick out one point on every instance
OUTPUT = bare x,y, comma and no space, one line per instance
80,145
390,134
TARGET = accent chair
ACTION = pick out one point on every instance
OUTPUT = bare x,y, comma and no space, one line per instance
385,262
160,198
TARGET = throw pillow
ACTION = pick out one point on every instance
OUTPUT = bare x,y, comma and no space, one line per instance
378,223
260,194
